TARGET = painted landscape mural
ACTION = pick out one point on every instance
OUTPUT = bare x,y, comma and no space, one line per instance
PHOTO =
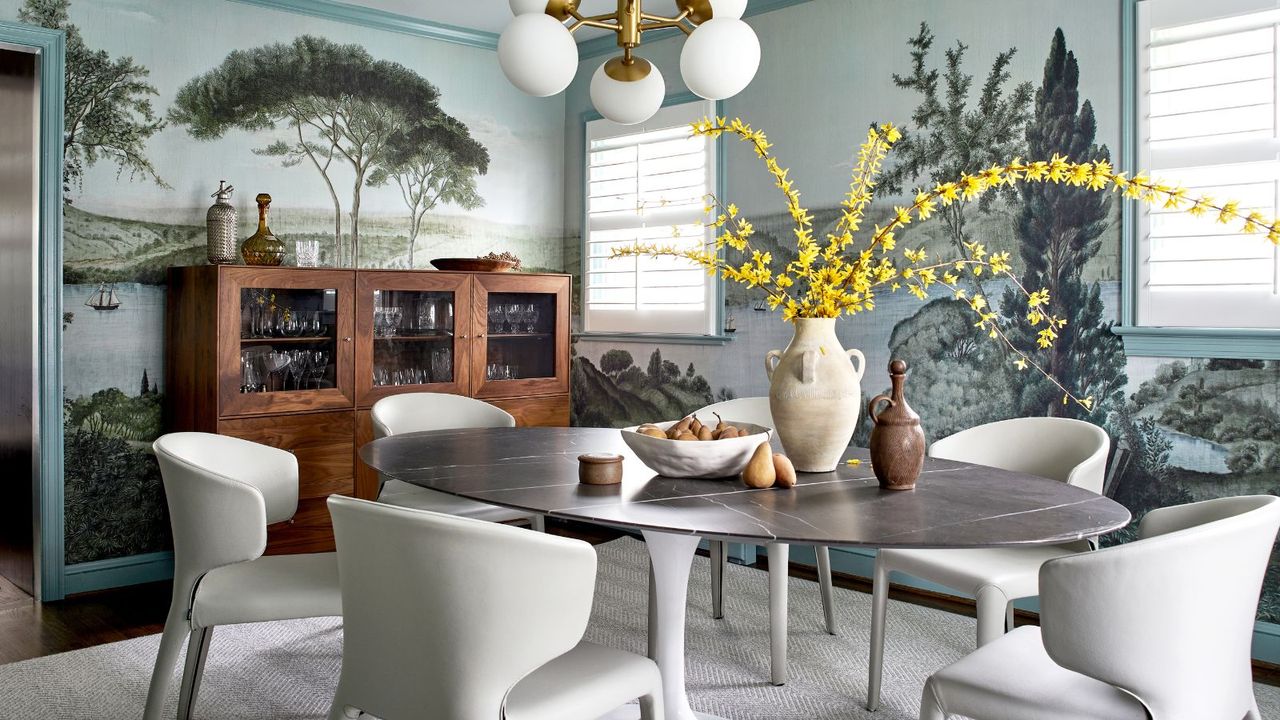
389,149
1184,430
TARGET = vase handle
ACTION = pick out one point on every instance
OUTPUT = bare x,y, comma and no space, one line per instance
871,407
862,362
771,360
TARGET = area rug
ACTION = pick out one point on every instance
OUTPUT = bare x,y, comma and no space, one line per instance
288,670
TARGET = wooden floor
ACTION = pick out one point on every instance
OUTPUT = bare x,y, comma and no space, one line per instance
29,630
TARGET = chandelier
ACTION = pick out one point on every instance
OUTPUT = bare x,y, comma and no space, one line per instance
539,56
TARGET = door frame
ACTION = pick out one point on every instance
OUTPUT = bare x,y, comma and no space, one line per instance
50,46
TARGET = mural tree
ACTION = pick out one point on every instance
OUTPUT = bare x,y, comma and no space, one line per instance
108,103
339,103
1059,230
948,137
428,173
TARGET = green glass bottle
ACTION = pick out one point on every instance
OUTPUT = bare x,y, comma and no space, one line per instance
262,247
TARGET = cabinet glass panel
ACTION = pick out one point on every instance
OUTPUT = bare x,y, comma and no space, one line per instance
412,337
521,333
288,339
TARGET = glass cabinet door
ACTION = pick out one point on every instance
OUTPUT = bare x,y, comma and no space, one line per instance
412,334
290,335
522,325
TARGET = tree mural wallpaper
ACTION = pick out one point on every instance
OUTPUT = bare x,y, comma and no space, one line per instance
342,125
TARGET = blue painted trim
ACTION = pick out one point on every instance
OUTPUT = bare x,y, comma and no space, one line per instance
670,339
1236,343
118,572
608,44
51,46
382,20
1128,160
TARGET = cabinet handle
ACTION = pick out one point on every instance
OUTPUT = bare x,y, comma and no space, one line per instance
480,336
346,339
462,337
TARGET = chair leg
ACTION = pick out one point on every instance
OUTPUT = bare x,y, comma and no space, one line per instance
651,705
879,607
1009,618
930,706
538,523
779,563
341,711
824,587
1253,714
193,670
719,561
166,661
992,613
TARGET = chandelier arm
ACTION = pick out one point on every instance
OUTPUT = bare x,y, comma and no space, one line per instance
595,24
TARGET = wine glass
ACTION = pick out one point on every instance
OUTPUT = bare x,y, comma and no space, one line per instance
441,365
495,319
512,313
427,316
394,316
446,315
299,361
318,367
530,317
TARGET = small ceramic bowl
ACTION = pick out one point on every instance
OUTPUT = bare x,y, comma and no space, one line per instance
696,458
600,468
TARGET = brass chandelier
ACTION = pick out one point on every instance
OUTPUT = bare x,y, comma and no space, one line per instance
539,56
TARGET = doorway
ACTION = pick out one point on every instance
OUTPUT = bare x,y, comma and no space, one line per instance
19,283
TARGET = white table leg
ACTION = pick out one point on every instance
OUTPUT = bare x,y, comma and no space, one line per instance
670,557
779,565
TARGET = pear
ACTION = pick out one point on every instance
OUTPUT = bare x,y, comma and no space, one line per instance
653,432
759,472
726,433
695,427
647,426
785,471
704,432
722,424
686,435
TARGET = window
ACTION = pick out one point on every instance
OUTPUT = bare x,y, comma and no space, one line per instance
1207,119
648,183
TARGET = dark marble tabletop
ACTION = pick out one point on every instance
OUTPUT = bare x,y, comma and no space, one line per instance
954,504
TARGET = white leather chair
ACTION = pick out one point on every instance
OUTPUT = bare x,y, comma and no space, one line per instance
421,412
755,410
1158,628
1071,451
450,618
222,493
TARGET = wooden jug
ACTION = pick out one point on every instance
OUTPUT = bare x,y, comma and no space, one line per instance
897,441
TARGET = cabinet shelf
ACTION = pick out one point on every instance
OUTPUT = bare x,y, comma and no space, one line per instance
416,338
286,340
513,336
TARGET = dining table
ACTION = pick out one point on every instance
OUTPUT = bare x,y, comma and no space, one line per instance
535,469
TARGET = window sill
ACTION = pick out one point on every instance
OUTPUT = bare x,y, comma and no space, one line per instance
1187,342
662,338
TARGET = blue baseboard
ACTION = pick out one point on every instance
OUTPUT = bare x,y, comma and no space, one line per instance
117,572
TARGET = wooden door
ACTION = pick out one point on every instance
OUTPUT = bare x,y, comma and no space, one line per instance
412,334
285,340
521,328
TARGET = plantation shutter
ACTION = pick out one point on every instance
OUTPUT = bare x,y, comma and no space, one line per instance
648,183
1207,88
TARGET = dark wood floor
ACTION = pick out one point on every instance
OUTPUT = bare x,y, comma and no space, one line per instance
29,630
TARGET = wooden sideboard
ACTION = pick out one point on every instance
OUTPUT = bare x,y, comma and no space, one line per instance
295,357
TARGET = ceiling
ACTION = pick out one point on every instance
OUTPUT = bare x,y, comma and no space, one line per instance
486,15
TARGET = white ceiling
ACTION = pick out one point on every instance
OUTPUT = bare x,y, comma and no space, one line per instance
487,15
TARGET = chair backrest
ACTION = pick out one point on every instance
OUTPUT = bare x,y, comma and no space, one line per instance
442,615
222,493
754,410
420,412
1072,451
1169,617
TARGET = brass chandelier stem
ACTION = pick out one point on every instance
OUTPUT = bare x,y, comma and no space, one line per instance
630,21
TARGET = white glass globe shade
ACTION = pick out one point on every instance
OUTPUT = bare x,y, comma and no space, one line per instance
628,103
720,58
719,8
538,55
522,7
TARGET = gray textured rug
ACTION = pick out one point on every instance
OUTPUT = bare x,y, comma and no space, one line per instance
288,670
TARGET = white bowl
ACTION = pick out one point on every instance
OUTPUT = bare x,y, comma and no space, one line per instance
696,459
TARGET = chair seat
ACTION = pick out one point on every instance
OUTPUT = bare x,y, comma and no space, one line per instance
408,495
276,587
1015,570
582,684
1013,678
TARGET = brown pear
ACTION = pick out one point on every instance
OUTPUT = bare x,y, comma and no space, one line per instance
785,471
727,433
722,424
653,432
759,472
647,426
695,427
704,432
683,424
686,435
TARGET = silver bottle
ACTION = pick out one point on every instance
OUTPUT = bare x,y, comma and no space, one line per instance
221,224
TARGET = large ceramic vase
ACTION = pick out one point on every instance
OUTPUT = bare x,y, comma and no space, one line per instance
815,395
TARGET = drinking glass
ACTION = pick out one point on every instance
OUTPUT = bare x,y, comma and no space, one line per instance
250,380
308,252
427,316
530,317
495,319
394,315
319,366
445,315
314,327
512,313
299,361
441,365
290,324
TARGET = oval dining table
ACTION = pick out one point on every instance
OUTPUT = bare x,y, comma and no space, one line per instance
954,505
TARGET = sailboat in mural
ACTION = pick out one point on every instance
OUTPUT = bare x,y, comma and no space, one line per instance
104,298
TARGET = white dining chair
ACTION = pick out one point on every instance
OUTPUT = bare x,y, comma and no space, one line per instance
755,410
421,412
1158,628
1071,451
449,618
222,493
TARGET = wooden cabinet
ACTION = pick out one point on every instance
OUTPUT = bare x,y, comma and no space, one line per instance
295,357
